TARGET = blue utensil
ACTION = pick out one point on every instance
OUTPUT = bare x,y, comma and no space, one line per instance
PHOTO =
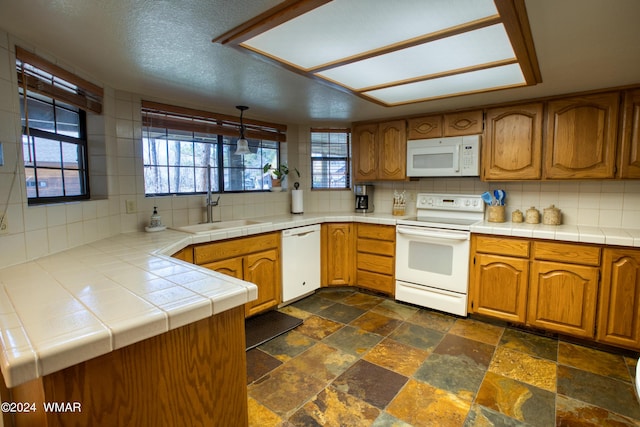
487,197
499,194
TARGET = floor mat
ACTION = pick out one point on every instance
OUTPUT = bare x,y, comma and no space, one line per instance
260,329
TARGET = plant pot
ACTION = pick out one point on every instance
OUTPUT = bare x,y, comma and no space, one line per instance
276,184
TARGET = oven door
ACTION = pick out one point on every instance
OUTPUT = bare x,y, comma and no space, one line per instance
433,257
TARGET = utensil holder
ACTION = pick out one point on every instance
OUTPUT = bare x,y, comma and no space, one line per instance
398,210
495,213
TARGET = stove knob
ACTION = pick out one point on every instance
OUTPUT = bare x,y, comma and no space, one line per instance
467,202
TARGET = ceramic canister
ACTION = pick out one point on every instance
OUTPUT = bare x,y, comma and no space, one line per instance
551,216
533,216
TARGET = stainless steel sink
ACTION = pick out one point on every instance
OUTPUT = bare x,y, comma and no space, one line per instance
214,226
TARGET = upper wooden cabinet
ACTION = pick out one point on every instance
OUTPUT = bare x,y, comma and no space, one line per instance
380,151
512,146
629,158
442,125
581,137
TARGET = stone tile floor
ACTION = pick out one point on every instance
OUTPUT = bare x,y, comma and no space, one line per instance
363,360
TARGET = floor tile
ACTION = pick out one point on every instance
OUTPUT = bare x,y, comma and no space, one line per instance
478,331
592,360
342,313
387,420
323,362
417,336
571,412
517,400
285,389
522,367
481,416
457,365
318,328
363,381
363,301
259,363
421,404
376,323
332,407
336,294
313,303
531,344
261,416
433,320
401,358
353,340
288,345
607,393
294,311
394,309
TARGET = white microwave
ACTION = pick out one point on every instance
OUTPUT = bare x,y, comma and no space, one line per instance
452,156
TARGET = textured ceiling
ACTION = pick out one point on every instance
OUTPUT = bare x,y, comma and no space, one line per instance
163,49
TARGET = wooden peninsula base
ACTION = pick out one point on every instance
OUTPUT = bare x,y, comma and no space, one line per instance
191,376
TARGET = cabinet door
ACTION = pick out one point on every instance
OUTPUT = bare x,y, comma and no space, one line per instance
231,267
562,298
630,140
619,303
392,154
581,137
339,254
463,123
263,269
512,147
365,152
425,127
499,287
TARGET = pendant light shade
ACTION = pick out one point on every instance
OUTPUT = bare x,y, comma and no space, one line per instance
242,146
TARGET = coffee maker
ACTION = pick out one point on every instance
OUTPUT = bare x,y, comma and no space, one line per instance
364,198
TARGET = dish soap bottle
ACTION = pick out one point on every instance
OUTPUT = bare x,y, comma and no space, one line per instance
155,224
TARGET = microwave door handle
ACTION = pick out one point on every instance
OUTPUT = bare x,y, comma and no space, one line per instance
456,158
432,234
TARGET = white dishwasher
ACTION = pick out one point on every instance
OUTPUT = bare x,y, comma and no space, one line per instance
300,262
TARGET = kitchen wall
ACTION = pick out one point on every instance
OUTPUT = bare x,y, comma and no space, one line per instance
117,177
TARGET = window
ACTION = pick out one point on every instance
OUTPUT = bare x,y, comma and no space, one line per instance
185,151
53,105
329,158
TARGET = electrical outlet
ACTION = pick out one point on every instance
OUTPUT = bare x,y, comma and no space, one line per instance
4,227
130,206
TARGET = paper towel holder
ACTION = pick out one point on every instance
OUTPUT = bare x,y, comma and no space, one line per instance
296,199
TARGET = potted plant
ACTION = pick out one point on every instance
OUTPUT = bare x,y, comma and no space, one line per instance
277,173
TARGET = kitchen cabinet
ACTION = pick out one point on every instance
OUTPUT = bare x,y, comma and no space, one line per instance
255,259
512,146
629,157
619,299
444,125
375,257
380,151
337,254
563,288
185,254
499,277
581,137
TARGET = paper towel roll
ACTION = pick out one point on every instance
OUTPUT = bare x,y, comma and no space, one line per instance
296,202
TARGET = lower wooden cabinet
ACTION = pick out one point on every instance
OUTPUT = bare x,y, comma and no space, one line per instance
619,299
255,259
375,257
499,277
562,298
337,268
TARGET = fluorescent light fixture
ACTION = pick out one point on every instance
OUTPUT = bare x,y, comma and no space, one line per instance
401,51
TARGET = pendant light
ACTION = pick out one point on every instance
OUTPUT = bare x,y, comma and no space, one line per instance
242,146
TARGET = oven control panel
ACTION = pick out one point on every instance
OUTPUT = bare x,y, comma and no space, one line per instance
450,202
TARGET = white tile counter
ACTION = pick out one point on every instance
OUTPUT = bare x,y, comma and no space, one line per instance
69,307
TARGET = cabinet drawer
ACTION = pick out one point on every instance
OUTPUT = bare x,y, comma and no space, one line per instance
376,247
376,263
378,232
217,251
567,252
502,246
375,281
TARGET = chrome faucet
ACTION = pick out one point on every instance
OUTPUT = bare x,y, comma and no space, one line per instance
210,203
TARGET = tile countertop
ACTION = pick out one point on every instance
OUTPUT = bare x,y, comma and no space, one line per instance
69,307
